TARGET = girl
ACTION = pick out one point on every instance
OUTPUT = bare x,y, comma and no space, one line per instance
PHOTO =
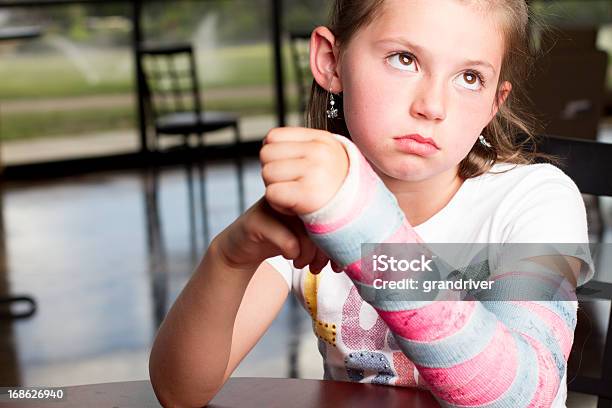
424,94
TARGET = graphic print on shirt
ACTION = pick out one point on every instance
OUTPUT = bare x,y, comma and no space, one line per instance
363,341
355,336
363,358
326,331
359,362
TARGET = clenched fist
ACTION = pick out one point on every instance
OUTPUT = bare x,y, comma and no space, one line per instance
302,169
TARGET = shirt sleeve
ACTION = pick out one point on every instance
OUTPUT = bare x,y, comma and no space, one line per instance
547,207
282,266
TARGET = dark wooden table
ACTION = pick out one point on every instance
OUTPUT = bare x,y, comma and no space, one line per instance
246,392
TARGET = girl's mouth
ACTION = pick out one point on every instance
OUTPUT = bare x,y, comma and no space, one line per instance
416,144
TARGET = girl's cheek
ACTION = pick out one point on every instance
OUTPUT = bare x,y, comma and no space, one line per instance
460,149
365,108
375,100
364,120
471,114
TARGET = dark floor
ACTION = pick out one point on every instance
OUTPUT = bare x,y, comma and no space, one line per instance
88,250
104,265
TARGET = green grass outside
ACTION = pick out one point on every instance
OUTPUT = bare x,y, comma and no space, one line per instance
29,77
111,72
31,125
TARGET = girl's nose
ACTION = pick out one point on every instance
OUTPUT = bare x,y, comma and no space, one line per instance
429,101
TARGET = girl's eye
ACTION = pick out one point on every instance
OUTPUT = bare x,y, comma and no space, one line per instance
471,80
403,61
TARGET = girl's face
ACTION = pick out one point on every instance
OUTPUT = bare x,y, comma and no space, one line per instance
422,67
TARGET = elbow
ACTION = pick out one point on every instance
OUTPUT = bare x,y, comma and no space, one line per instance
166,399
172,393
169,398
169,401
165,395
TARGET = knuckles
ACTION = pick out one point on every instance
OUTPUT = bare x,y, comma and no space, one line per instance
264,152
266,172
322,155
292,247
274,195
270,194
320,151
250,228
275,134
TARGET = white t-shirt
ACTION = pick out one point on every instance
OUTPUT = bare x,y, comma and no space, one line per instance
534,203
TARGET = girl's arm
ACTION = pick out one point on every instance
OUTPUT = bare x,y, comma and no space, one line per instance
470,353
217,319
226,306
232,297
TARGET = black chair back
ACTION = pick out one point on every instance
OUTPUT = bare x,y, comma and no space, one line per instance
568,87
589,164
170,80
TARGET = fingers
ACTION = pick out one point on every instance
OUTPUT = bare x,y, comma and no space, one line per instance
310,254
283,170
307,249
319,261
295,134
284,196
284,239
284,150
273,228
304,163
335,267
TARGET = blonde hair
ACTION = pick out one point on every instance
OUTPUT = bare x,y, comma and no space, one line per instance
511,120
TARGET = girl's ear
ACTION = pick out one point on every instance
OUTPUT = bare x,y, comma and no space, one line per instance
502,95
324,57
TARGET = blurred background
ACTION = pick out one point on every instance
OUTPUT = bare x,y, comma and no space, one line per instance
106,206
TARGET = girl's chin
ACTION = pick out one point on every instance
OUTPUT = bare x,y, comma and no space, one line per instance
411,178
404,167
406,173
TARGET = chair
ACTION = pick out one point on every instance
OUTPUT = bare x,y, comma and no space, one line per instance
173,103
589,164
568,88
300,55
172,95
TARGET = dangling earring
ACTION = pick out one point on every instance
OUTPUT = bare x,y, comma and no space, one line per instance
484,141
332,112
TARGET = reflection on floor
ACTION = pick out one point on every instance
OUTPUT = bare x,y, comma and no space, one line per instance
87,249
104,266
